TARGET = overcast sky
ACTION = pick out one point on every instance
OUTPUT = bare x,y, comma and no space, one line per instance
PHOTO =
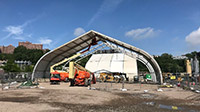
156,26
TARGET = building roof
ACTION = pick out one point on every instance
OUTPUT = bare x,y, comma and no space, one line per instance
70,48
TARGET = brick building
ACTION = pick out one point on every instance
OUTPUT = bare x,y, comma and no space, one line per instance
29,45
10,49
7,49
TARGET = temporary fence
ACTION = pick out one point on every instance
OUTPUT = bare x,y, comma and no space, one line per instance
14,80
123,86
185,82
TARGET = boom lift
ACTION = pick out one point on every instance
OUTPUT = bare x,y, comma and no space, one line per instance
64,75
79,75
55,78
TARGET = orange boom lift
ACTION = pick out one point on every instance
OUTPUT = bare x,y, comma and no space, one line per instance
63,75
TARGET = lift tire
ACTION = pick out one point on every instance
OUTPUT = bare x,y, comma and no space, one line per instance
66,79
72,82
101,79
89,82
104,79
86,82
117,80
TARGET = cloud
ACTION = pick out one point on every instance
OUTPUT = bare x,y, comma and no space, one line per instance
45,41
193,39
17,32
107,6
142,33
79,31
14,30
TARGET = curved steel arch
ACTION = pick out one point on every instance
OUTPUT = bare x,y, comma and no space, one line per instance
41,68
137,57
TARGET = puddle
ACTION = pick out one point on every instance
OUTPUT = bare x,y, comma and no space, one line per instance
169,107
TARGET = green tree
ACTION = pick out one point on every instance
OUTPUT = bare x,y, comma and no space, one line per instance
10,66
168,64
28,68
20,53
142,67
33,55
6,56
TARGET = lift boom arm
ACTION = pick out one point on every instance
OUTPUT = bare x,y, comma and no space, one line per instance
63,61
94,42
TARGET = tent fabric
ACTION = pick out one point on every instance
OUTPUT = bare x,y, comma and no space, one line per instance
103,65
117,63
70,48
113,62
129,64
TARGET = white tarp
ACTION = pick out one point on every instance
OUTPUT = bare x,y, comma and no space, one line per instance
117,63
104,62
113,62
93,63
129,64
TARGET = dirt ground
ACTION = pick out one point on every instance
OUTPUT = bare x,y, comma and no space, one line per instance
103,97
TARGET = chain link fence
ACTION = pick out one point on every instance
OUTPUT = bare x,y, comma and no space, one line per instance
113,86
13,80
185,81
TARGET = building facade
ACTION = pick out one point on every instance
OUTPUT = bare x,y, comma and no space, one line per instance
10,48
29,45
7,49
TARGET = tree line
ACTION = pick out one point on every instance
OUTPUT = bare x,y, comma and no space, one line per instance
168,64
21,53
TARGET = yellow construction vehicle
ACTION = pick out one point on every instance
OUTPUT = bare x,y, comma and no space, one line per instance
111,77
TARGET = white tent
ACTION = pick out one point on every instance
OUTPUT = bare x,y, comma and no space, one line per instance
113,62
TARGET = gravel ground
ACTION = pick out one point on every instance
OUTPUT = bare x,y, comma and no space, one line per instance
105,98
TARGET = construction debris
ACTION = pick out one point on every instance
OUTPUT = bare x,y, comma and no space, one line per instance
145,91
197,91
42,87
28,83
166,86
5,88
123,89
159,90
191,88
150,103
13,83
91,88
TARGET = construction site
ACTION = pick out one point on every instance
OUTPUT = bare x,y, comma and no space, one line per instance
95,72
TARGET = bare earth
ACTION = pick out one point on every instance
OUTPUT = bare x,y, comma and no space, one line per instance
104,97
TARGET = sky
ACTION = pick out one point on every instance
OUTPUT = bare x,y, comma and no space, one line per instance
156,26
